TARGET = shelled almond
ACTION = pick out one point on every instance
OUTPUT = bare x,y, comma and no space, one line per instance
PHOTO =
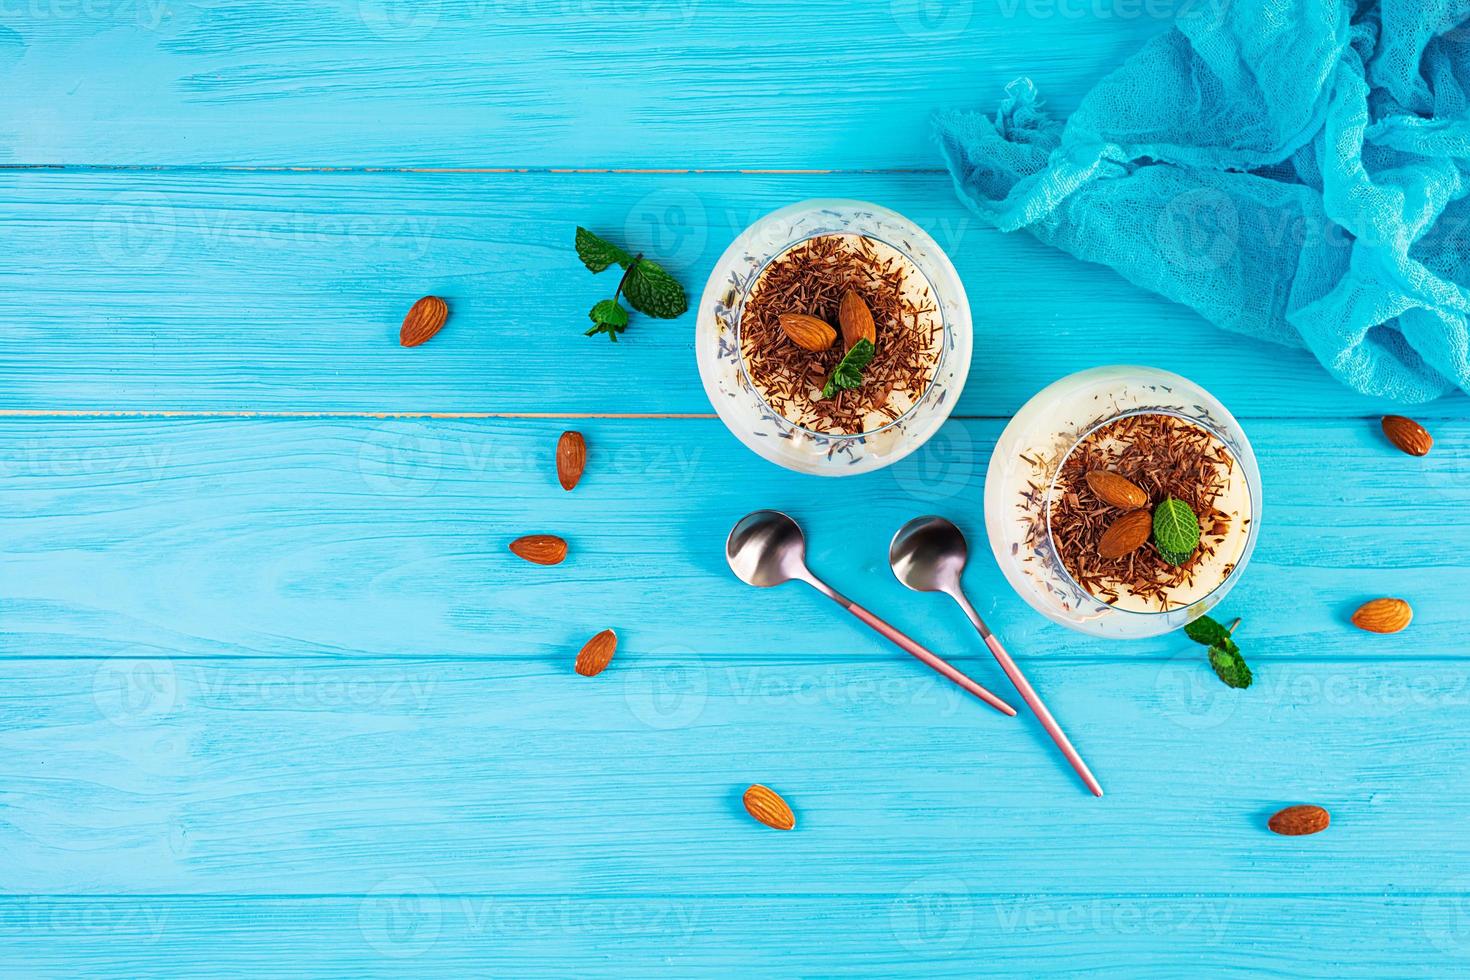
807,331
571,459
1408,435
540,549
424,319
597,654
766,805
1386,615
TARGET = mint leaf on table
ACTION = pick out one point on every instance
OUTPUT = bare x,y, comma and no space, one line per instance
849,372
597,253
653,291
1176,530
608,317
1229,665
1207,631
646,286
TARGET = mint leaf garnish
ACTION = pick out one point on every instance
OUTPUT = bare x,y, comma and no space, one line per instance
608,317
1176,530
849,372
597,253
648,288
653,291
1207,631
1229,665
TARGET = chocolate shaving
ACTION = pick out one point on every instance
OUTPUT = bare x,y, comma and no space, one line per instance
810,278
1165,455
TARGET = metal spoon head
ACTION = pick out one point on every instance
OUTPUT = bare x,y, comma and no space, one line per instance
766,548
928,554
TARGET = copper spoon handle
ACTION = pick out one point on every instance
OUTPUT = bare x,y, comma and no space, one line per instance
1029,695
934,661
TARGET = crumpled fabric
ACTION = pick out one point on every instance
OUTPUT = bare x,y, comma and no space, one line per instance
1293,170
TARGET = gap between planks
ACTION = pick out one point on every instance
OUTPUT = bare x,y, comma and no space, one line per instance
226,168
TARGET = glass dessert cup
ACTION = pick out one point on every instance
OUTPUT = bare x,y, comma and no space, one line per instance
740,402
1022,483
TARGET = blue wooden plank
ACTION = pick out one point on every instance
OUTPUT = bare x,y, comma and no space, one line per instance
232,291
505,83
141,775
357,537
947,926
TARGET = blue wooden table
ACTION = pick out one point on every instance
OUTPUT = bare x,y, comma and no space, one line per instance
275,699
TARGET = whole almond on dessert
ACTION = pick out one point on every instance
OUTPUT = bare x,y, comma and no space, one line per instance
423,321
542,549
856,320
766,805
1126,535
571,459
597,654
1408,435
1116,491
1296,821
1383,615
808,331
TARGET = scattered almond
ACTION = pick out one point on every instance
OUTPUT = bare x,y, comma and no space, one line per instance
1116,491
1126,535
808,331
423,321
1408,435
1295,821
597,654
1383,615
766,805
571,459
856,320
542,549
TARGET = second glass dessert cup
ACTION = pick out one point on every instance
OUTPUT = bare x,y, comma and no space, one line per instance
1021,482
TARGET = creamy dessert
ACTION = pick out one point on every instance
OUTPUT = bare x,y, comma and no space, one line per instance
1147,512
805,322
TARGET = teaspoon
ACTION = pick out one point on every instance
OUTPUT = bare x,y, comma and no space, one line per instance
928,554
767,548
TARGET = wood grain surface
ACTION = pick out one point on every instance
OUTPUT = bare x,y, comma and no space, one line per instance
275,699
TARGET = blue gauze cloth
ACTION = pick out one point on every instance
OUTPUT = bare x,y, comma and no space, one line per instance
1294,170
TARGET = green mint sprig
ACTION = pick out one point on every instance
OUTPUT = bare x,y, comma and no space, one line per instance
848,373
1225,656
645,284
1176,531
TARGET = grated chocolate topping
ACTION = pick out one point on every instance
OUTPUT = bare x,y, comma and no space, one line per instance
811,278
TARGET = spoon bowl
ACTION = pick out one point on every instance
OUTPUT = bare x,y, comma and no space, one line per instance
928,554
766,548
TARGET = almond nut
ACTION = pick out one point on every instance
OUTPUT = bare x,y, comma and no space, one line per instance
1126,535
571,459
1295,821
1383,615
808,331
1408,435
542,549
856,320
1116,491
423,321
766,805
597,654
